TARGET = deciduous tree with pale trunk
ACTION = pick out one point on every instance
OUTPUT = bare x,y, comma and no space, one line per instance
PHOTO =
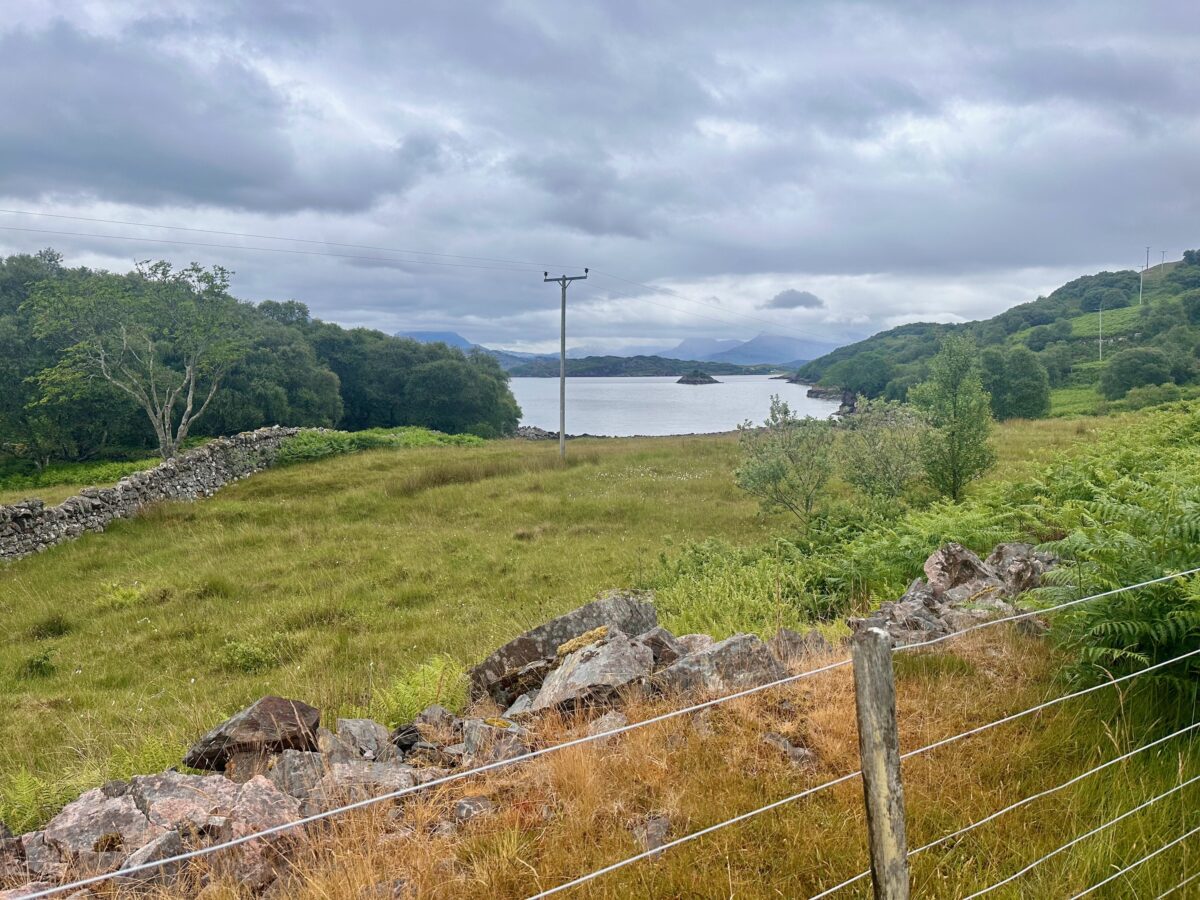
165,338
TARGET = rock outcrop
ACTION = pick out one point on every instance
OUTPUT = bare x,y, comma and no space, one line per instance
30,526
271,725
524,661
959,590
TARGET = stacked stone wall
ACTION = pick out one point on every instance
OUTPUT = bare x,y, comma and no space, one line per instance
30,526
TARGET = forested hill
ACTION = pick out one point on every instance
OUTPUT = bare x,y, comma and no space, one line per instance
608,366
97,365
1150,351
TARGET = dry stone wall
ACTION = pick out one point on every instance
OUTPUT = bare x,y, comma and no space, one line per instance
30,526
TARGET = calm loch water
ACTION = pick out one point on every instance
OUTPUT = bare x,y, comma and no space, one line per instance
654,406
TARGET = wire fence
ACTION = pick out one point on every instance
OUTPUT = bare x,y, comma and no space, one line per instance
167,863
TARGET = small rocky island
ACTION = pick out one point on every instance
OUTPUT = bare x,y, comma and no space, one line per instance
697,377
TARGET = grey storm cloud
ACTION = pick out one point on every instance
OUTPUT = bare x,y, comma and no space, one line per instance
794,299
901,160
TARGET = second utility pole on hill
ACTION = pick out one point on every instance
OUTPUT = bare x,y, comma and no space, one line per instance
563,280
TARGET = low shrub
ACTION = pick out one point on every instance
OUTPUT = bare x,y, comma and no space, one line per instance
441,680
313,444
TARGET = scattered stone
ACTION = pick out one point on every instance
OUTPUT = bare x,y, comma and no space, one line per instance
404,738
629,611
30,887
366,736
349,782
270,725
702,723
797,755
426,754
438,717
485,743
610,721
651,833
164,846
469,807
791,646
174,800
521,706
41,859
95,833
297,772
1019,566
595,672
662,644
733,664
693,643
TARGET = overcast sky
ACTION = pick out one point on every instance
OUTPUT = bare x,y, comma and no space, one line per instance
814,169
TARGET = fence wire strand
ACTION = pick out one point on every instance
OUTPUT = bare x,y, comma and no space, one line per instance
1049,609
1133,865
1023,802
1169,891
583,879
586,739
437,782
1087,834
1039,707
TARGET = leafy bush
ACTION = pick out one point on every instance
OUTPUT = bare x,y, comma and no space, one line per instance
441,680
787,462
314,444
100,473
881,449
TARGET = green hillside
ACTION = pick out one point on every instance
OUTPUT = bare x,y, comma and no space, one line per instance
1149,348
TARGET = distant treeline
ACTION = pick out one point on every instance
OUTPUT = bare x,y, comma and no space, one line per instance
1051,342
644,366
99,365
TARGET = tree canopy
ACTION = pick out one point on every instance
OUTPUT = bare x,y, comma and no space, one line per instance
95,363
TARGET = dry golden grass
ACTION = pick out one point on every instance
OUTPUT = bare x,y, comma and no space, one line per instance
573,811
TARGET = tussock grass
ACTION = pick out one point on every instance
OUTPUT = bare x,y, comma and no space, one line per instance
331,581
575,810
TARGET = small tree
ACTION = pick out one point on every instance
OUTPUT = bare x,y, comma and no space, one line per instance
955,450
881,448
1135,367
787,462
166,339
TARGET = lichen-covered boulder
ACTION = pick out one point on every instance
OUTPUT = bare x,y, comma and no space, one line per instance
736,663
270,725
594,673
629,611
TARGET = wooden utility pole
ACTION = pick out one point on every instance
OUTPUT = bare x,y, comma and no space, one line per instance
563,280
879,750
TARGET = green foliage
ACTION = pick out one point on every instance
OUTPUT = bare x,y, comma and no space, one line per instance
881,448
867,374
441,680
1016,382
714,588
787,462
1132,368
75,473
310,445
955,449
39,665
252,655
165,338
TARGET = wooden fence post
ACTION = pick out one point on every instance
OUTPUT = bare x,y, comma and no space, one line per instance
879,750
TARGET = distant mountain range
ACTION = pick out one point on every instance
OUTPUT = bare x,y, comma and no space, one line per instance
764,349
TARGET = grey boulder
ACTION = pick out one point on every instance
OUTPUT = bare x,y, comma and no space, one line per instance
734,664
270,725
594,673
95,833
789,646
366,737
629,611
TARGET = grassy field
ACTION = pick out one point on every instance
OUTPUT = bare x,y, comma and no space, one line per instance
326,581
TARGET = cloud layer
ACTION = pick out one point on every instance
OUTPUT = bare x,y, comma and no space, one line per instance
932,160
